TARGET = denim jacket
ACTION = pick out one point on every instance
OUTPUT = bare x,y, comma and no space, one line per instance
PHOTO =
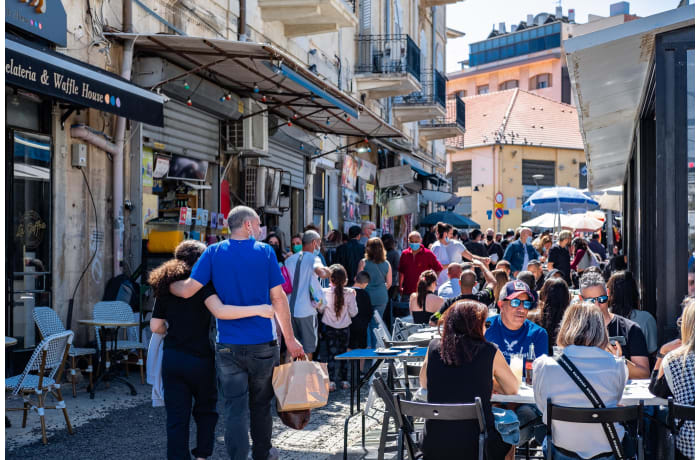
515,255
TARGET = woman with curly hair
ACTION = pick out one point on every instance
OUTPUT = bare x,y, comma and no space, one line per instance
458,367
188,358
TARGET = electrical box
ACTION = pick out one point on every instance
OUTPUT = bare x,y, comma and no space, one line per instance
79,155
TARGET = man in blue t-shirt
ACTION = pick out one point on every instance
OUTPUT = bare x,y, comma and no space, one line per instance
245,272
513,333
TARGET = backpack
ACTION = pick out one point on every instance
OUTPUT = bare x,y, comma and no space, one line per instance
122,288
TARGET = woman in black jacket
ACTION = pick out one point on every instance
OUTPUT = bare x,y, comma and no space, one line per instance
188,358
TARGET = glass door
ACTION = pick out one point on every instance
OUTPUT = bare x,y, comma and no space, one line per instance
28,231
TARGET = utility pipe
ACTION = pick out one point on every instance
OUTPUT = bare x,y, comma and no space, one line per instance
242,36
93,138
118,156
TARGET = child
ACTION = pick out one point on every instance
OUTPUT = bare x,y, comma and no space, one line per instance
360,323
338,308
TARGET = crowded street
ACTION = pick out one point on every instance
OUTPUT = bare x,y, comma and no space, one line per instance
350,229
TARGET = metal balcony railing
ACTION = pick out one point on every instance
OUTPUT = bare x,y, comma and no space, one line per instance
456,115
433,90
386,54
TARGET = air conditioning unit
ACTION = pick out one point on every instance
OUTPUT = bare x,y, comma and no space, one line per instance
263,187
247,136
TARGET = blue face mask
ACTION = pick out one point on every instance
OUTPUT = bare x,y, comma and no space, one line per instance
414,246
317,251
528,240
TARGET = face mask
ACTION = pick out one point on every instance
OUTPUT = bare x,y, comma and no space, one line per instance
414,246
475,290
528,240
489,238
317,251
296,248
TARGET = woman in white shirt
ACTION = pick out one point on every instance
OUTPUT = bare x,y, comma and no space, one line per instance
584,337
448,251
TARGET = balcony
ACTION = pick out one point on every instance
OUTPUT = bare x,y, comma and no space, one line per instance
387,65
426,104
309,17
443,128
454,144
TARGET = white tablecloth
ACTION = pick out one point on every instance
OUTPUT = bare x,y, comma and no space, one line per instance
635,390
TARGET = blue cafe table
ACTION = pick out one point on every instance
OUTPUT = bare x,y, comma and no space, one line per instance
356,382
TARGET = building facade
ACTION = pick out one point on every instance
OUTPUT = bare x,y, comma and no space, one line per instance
515,143
258,103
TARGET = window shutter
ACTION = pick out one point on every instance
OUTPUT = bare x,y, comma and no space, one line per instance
365,17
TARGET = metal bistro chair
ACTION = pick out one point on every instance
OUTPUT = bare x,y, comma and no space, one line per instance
679,415
119,311
428,411
49,356
390,412
592,415
49,323
402,329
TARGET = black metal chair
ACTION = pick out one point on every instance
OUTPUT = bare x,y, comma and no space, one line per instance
390,411
591,415
409,410
678,415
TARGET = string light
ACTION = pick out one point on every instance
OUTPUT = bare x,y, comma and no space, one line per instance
189,102
222,98
301,146
256,88
328,121
263,99
295,116
289,122
186,85
228,96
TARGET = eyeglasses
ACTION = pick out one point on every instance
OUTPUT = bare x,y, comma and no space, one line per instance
526,304
600,299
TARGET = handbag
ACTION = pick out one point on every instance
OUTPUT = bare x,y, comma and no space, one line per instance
296,419
300,385
287,285
593,396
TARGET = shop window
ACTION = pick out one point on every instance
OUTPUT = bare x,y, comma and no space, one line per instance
543,80
483,89
461,174
508,84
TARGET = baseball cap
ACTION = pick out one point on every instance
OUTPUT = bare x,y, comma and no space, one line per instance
354,231
513,289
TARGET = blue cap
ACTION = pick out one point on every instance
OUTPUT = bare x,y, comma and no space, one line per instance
513,289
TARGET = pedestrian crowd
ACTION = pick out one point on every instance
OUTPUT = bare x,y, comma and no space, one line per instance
497,299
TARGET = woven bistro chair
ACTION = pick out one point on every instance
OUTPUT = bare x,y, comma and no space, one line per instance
115,310
49,360
48,323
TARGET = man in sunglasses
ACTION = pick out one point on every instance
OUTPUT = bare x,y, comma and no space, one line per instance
513,333
633,346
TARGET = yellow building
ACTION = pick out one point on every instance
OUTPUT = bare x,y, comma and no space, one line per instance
515,142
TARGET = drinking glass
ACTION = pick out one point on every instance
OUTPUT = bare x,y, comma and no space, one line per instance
516,365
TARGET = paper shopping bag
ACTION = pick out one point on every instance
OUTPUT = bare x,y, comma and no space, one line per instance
300,385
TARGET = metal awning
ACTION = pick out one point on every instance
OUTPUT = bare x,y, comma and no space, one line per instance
271,76
608,70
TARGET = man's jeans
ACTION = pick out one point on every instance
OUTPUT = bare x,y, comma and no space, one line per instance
245,382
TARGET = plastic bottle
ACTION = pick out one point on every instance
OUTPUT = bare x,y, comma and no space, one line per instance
528,364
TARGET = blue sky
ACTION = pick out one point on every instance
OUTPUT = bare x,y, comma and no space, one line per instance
477,17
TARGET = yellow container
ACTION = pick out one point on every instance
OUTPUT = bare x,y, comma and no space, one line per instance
161,242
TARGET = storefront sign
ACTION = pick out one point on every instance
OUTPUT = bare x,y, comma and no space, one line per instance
399,175
48,72
43,18
183,216
403,205
30,231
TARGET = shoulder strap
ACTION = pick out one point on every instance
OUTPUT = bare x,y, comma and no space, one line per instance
593,396
295,284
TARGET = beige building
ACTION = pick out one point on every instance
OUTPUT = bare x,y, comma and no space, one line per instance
516,142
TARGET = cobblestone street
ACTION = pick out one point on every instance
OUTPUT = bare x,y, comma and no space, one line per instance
138,432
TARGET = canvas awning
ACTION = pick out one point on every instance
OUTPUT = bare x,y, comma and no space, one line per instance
271,76
609,70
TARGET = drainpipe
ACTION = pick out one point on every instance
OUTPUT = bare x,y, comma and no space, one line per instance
93,138
432,60
242,21
118,157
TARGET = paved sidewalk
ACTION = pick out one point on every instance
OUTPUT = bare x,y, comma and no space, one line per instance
117,425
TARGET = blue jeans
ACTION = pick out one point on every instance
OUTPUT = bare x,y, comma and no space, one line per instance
186,376
245,382
559,455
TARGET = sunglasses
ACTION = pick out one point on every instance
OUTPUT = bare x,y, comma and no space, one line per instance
526,304
600,299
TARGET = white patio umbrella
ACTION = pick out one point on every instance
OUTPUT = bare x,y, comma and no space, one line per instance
582,222
546,220
558,199
609,198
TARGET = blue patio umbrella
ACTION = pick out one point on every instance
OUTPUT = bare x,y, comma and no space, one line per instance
558,200
448,217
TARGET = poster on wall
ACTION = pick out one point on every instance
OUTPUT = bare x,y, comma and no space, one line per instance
369,194
351,206
366,170
349,177
161,168
147,169
149,211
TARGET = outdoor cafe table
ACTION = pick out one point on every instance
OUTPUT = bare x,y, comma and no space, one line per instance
10,341
356,383
635,391
103,372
